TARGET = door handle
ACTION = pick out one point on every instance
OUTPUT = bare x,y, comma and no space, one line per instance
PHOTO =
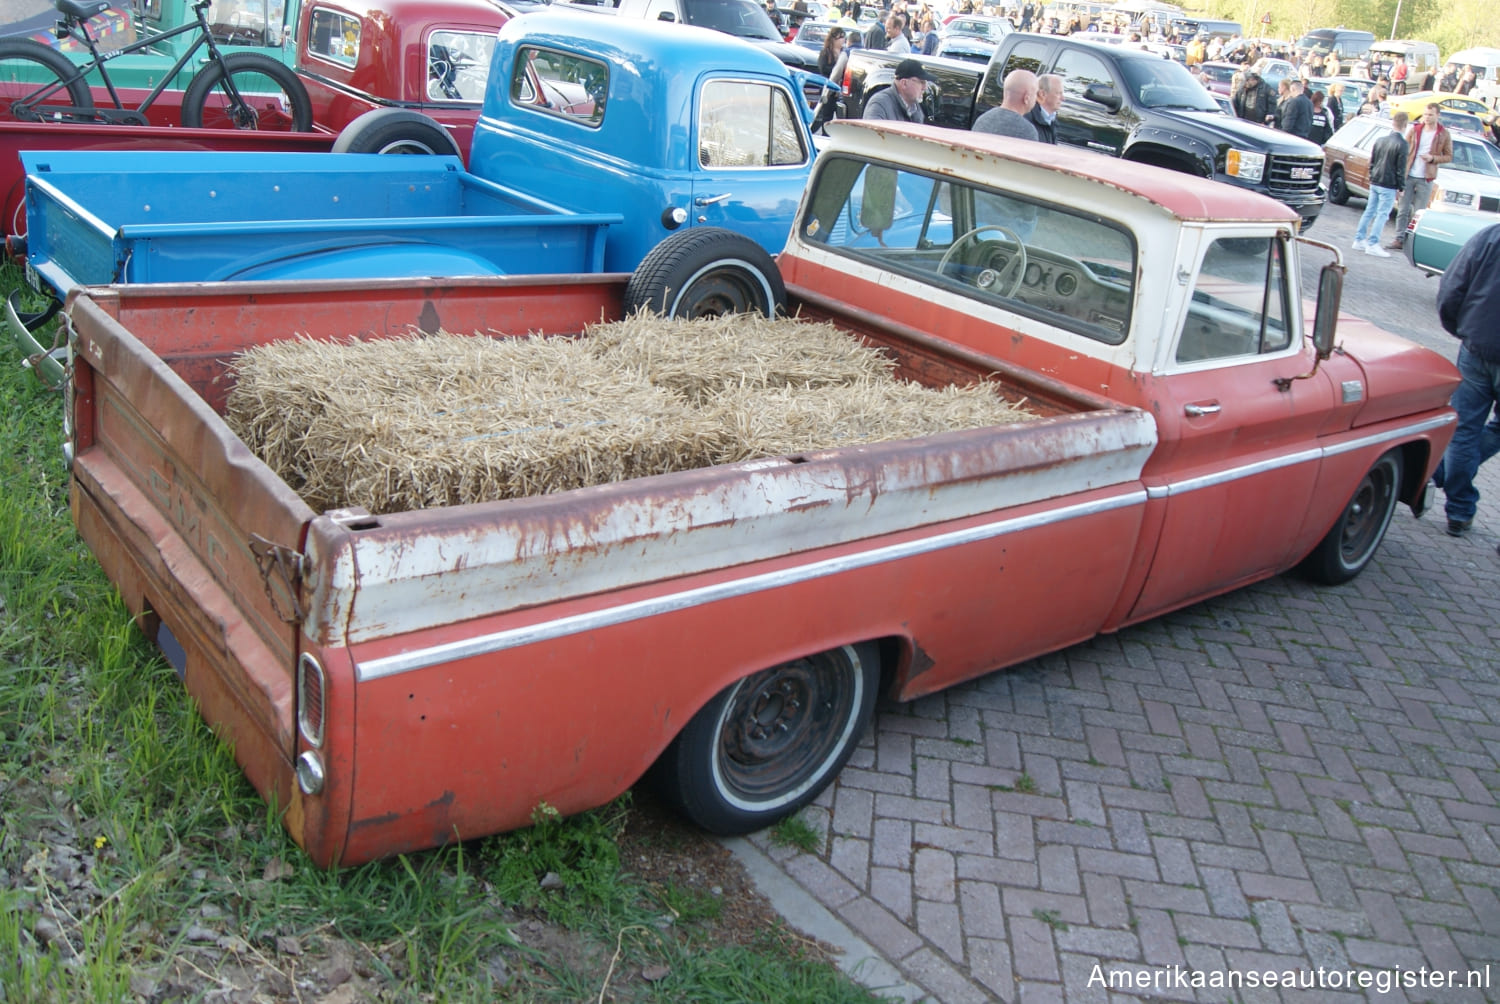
1199,410
712,200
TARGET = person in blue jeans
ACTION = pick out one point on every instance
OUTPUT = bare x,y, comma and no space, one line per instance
1468,304
1387,175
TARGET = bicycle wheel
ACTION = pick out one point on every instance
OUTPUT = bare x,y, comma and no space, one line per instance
28,67
271,98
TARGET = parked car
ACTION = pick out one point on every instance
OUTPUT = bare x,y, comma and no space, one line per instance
991,29
1220,76
1346,160
1439,233
1273,71
813,34
1463,122
1416,103
970,48
1352,98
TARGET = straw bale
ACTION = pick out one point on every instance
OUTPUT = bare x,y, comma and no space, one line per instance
773,421
701,356
428,421
412,423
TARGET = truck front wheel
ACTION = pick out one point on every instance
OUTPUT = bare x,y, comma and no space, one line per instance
767,745
396,130
1352,542
706,272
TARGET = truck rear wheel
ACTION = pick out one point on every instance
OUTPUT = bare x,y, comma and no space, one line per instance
1354,539
706,272
768,744
396,130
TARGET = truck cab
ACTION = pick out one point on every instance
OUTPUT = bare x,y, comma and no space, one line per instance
423,56
679,128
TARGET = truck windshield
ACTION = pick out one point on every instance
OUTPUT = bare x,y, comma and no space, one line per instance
742,18
1161,83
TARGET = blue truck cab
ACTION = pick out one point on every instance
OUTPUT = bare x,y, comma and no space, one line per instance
670,127
598,139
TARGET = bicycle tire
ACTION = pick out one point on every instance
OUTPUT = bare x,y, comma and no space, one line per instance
28,66
278,103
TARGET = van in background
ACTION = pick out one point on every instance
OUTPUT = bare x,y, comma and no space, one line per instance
1420,58
1486,63
1349,45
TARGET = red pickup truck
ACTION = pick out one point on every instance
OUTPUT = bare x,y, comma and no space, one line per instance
398,680
421,63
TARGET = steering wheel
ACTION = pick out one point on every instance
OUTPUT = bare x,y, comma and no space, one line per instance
986,277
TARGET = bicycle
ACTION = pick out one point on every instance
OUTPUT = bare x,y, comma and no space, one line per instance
241,90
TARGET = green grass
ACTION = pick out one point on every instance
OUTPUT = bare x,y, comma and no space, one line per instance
794,831
109,777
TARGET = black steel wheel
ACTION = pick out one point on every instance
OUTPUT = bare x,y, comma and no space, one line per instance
1356,536
706,272
396,130
1338,191
766,745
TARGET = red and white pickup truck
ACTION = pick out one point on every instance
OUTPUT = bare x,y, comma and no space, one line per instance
397,681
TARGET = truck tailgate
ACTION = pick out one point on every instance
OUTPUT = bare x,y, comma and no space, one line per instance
170,502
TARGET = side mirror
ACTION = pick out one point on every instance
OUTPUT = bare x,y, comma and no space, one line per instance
1105,95
1325,321
666,15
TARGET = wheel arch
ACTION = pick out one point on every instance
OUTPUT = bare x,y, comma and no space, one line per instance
1189,158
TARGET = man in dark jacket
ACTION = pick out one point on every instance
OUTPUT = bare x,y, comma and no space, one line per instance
1043,114
1252,102
1468,302
1297,113
1387,177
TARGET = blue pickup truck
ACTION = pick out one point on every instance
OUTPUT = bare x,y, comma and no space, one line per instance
601,122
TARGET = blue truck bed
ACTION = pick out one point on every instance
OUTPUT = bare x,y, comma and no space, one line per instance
158,216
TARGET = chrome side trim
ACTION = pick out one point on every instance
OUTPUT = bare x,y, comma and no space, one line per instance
498,641
1300,457
610,616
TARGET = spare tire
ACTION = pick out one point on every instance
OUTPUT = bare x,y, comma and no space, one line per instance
396,130
706,272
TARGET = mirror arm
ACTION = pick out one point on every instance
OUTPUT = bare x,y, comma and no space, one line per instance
1330,292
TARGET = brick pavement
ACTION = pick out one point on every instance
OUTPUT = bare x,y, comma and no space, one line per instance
1286,777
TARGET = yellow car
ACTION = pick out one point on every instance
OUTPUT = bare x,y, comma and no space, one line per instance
1415,104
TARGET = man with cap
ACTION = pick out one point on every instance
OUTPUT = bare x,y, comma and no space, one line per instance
902,101
1252,102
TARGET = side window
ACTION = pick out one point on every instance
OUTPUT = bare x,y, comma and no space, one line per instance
747,124
1368,139
559,83
458,64
1081,70
1038,259
1240,304
1026,55
334,36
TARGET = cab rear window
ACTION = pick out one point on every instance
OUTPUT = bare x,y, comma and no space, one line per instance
561,84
